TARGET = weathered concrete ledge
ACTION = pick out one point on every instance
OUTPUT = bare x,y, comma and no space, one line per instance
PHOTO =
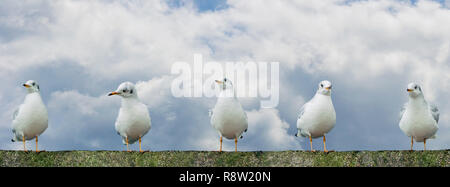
438,158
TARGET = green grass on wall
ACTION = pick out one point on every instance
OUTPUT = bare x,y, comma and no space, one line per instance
439,158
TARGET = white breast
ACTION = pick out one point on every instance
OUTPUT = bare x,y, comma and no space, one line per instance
228,118
31,119
418,122
133,120
319,116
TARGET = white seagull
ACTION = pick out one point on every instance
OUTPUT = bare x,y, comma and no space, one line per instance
228,117
418,119
133,121
31,119
317,117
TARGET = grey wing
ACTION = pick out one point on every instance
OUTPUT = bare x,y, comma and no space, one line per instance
434,112
302,111
402,111
246,119
300,132
16,112
211,116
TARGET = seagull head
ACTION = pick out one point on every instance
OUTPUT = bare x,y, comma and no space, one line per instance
414,90
32,86
225,84
125,90
325,87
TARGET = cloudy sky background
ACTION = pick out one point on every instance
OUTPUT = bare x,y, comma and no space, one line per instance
78,51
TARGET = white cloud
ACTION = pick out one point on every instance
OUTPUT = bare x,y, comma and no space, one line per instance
125,38
266,127
364,38
155,92
73,100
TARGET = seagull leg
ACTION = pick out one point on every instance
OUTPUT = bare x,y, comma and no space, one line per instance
235,144
310,142
140,150
128,150
220,150
37,150
412,142
324,145
24,145
425,144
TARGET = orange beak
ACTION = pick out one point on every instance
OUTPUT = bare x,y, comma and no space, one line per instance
219,82
26,85
409,90
113,93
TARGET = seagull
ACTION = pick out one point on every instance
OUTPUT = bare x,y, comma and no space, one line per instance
317,117
133,121
31,119
228,117
418,119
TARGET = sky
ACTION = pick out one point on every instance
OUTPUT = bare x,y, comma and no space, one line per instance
78,51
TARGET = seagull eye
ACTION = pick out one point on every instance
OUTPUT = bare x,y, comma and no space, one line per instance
321,85
34,83
415,87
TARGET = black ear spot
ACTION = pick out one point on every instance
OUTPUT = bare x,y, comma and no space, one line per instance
38,87
131,91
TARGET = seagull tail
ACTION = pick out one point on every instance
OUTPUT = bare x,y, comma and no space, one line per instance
301,133
210,112
14,139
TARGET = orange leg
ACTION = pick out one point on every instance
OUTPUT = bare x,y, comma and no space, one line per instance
310,142
425,144
235,144
37,150
24,144
324,145
220,150
128,150
412,142
140,150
